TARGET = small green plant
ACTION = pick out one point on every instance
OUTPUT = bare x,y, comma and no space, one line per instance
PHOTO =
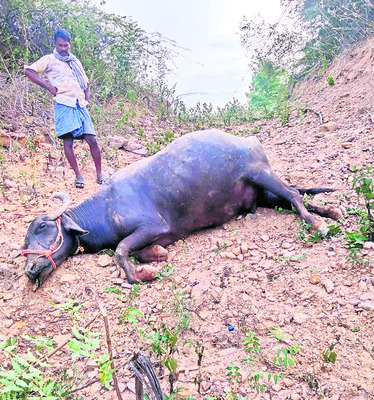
233,372
165,272
285,358
364,188
284,211
112,289
164,345
84,342
159,142
329,355
182,305
330,80
131,315
26,375
293,257
71,307
105,370
306,236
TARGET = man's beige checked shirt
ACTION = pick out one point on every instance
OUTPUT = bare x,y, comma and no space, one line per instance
62,77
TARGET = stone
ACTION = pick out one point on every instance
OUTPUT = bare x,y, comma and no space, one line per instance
277,387
236,250
140,152
288,382
8,296
227,352
329,285
228,254
367,305
117,141
253,276
328,127
131,386
200,288
104,260
315,278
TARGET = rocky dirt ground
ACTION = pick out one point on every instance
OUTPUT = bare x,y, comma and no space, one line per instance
254,273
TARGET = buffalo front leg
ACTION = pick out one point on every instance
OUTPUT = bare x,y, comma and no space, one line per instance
131,244
262,175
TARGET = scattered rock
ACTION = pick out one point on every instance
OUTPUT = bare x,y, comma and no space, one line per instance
288,382
328,284
367,305
328,127
227,352
131,386
104,260
227,254
315,278
200,288
141,152
118,142
253,276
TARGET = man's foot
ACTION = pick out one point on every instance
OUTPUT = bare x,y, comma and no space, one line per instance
79,182
100,179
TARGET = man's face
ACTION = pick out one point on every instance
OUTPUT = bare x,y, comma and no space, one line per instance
62,47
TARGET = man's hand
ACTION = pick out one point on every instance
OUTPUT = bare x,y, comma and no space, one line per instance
53,90
34,77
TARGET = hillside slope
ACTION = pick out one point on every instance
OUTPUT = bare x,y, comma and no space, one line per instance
254,273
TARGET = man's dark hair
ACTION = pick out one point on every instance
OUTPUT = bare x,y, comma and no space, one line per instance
62,34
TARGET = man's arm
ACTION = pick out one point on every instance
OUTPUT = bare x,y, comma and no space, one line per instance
34,77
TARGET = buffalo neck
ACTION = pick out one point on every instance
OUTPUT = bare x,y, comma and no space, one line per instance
91,215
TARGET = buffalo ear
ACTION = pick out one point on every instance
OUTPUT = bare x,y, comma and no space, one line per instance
70,225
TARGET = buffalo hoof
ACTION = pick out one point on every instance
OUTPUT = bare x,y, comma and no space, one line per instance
321,227
151,253
336,213
146,273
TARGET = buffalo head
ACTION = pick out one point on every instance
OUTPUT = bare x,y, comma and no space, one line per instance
50,240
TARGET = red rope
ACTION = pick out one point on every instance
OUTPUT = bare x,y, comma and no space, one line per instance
53,248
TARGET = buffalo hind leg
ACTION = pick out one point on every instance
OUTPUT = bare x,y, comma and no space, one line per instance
263,176
325,211
270,200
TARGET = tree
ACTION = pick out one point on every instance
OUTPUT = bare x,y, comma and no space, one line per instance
115,51
269,91
309,34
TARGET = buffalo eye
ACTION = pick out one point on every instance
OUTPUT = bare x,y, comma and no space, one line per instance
42,225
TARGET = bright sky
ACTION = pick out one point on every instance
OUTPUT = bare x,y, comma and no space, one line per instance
214,68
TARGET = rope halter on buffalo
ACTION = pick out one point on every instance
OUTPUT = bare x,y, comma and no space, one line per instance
52,249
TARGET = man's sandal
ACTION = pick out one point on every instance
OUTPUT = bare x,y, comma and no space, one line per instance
79,182
100,179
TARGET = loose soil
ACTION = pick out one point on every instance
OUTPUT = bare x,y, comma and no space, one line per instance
254,273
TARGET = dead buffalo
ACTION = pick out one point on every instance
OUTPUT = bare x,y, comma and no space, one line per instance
200,180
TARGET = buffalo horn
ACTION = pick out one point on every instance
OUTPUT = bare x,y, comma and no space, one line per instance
64,206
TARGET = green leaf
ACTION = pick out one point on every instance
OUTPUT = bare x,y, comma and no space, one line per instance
20,382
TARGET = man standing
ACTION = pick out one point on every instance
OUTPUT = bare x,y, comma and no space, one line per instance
69,86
